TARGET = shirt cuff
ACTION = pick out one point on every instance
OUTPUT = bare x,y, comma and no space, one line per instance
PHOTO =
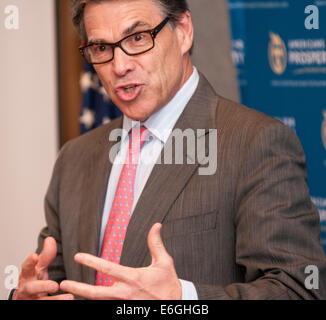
189,291
11,294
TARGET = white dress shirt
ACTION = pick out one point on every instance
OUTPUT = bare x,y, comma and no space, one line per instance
160,125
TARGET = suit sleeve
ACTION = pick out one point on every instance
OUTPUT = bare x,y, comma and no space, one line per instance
277,226
51,207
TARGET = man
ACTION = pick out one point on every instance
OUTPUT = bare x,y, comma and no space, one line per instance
248,230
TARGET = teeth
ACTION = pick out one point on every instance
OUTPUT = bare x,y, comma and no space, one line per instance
130,88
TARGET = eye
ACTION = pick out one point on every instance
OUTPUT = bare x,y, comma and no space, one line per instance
99,48
102,47
138,37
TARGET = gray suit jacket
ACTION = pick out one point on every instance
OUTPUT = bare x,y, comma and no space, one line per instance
246,232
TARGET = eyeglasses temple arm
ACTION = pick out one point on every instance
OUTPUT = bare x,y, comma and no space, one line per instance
160,27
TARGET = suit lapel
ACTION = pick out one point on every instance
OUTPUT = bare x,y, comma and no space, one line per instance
96,172
167,181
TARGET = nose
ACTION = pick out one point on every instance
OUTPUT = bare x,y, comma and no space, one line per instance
122,63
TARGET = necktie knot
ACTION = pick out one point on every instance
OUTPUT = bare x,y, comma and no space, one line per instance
139,136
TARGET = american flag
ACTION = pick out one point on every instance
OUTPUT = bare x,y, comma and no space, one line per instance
97,107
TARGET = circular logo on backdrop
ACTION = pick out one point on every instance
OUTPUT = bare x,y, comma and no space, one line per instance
323,130
277,53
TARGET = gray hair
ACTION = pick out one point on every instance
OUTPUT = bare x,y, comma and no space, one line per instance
170,8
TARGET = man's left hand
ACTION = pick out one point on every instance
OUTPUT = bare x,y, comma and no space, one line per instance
159,281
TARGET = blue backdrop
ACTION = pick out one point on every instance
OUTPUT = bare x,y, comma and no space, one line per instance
282,72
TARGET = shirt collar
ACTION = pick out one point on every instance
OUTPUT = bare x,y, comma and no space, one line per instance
161,123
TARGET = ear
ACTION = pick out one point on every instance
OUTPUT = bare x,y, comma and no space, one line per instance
185,32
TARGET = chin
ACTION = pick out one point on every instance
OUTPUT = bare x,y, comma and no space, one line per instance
137,114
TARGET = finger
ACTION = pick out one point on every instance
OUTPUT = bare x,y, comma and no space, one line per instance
28,266
58,297
36,287
86,290
107,267
155,244
48,253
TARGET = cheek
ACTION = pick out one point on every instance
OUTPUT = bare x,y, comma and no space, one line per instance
170,73
167,70
104,75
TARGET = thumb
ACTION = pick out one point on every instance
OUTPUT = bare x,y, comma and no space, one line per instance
155,244
48,253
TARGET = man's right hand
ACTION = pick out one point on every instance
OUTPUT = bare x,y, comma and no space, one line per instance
33,280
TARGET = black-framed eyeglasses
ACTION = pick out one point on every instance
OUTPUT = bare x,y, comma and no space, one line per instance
134,44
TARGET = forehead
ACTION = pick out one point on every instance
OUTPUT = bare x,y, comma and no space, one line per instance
113,18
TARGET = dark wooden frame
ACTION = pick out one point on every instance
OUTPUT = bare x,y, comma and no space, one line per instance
69,70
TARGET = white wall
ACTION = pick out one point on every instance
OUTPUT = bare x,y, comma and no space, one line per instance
28,127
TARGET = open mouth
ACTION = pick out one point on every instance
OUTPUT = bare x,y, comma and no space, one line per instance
129,88
128,92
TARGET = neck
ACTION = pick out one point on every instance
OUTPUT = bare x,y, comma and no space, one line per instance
188,67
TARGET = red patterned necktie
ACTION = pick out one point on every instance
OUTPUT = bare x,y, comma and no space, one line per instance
121,209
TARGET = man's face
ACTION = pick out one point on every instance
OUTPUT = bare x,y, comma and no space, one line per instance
155,76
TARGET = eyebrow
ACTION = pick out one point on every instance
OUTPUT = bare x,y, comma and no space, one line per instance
125,33
97,41
132,28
